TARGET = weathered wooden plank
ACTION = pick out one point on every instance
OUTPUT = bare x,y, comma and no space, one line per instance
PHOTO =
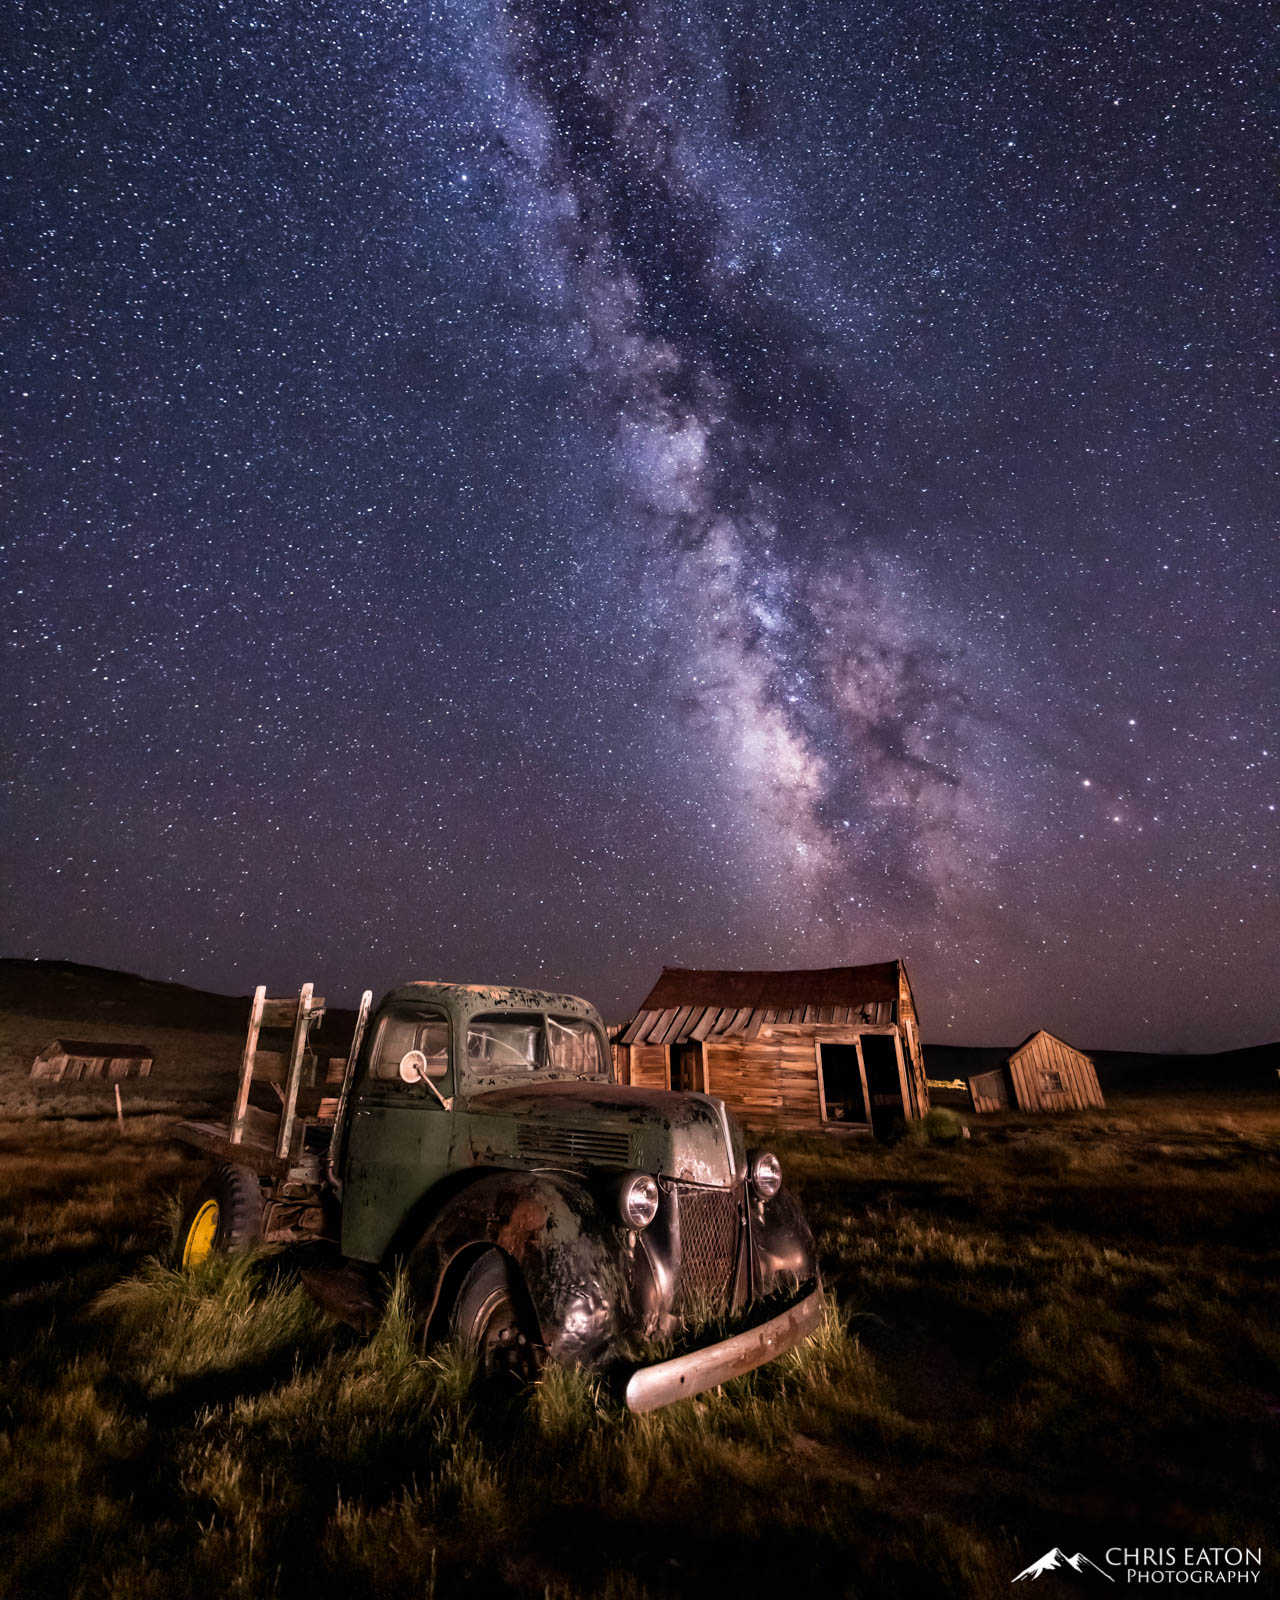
1055,1061
650,1068
631,1033
754,1078
661,1023
260,1127
316,1104
236,1129
675,1029
333,1159
1039,1062
649,1020
703,1022
635,1028
1018,1093
270,1066
250,1152
736,1020
295,1070
283,1013
1025,1097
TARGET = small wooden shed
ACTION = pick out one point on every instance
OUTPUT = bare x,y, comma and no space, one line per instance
838,1047
1042,1074
68,1060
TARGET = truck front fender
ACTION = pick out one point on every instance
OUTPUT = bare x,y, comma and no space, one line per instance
782,1242
574,1260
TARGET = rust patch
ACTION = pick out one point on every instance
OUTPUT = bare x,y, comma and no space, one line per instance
528,1216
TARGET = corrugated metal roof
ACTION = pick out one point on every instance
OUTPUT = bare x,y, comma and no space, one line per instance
687,1004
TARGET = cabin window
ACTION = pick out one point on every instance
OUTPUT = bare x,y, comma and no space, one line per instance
1051,1083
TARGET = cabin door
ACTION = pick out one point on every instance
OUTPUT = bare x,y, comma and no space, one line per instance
884,1082
843,1086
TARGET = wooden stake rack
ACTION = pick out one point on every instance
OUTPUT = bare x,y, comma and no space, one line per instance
272,1141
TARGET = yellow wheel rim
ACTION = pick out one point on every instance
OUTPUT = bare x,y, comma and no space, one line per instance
200,1235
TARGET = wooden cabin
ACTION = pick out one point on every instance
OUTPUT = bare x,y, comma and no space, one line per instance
837,1048
69,1060
1042,1074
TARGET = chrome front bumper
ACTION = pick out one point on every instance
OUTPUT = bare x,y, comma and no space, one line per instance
665,1381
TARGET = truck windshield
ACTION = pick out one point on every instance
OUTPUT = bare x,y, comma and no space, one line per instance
516,1046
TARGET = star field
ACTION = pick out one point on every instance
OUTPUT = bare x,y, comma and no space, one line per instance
538,491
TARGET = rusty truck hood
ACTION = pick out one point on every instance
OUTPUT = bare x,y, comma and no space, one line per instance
690,1137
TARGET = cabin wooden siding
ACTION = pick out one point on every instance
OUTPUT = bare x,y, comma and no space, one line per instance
755,1038
649,1067
912,1050
772,1078
1042,1054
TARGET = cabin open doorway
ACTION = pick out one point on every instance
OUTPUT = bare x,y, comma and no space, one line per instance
686,1067
885,1087
844,1090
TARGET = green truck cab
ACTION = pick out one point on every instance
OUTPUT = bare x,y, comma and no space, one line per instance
540,1210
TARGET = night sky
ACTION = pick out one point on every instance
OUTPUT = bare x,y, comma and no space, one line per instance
534,492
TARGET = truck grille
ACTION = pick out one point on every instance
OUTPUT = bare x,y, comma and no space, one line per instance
709,1224
593,1145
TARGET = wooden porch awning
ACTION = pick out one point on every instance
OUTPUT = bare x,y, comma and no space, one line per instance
687,1004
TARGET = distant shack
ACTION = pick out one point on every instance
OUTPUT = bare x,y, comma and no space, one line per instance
1043,1074
70,1060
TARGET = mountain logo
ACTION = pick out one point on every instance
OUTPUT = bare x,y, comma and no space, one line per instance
1056,1558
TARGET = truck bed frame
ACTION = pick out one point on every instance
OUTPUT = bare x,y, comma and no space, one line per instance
289,1137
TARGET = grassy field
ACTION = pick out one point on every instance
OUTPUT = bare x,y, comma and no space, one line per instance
1064,1333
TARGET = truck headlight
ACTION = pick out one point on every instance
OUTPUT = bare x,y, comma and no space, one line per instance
766,1174
638,1199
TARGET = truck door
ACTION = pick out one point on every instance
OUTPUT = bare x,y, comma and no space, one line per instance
399,1134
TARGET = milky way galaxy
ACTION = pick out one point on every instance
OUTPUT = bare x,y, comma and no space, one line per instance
538,491
833,710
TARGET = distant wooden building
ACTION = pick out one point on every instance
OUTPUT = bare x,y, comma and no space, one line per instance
67,1060
838,1047
1042,1074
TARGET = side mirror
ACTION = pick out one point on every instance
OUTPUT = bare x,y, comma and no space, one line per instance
413,1067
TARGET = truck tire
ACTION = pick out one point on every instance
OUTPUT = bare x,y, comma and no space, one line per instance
493,1321
225,1214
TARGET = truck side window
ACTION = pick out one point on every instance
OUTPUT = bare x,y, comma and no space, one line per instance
398,1035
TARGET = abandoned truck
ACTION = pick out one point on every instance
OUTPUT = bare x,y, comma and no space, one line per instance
540,1210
